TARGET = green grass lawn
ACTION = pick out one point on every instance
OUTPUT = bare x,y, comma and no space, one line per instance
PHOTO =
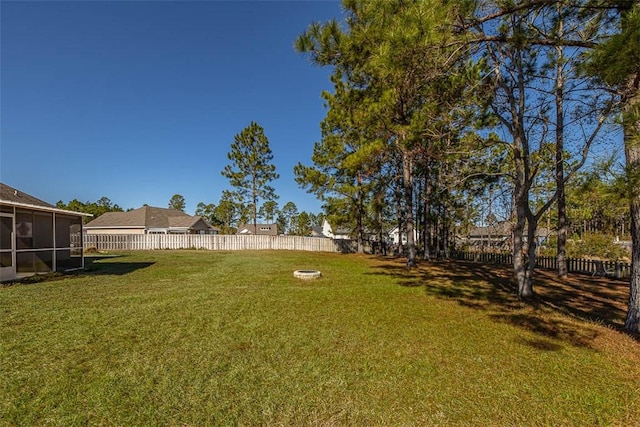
193,338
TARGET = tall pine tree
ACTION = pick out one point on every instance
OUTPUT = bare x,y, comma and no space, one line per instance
617,63
251,170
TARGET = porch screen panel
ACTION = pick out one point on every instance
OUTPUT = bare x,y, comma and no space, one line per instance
68,242
75,233
63,231
6,227
42,230
24,262
34,262
6,260
43,261
24,230
66,259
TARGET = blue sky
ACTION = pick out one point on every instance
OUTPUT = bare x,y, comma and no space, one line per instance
137,101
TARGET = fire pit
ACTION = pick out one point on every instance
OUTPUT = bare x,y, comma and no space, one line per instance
306,274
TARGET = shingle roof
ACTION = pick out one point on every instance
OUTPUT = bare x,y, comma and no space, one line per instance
503,229
500,229
146,216
178,221
342,230
262,229
10,194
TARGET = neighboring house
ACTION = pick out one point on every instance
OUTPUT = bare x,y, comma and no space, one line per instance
542,236
495,236
325,230
342,233
149,220
259,229
499,236
36,237
394,236
317,231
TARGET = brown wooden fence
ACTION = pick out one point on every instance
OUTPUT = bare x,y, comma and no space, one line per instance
616,269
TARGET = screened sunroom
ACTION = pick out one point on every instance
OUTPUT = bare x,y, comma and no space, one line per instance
36,237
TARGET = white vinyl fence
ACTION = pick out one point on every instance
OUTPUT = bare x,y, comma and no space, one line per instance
126,242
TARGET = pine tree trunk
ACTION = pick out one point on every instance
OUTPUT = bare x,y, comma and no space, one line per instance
360,215
427,218
359,238
632,321
563,229
560,180
519,267
445,233
381,238
532,226
407,172
255,207
400,216
437,234
631,125
417,217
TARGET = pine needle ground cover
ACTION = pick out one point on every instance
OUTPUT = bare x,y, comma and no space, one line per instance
193,338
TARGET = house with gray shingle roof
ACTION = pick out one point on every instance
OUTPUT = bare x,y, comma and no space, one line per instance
149,220
37,237
259,229
326,230
498,236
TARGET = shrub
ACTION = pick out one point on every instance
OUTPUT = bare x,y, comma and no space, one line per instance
596,246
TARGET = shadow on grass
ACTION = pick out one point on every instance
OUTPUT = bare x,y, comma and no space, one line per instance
94,266
491,289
